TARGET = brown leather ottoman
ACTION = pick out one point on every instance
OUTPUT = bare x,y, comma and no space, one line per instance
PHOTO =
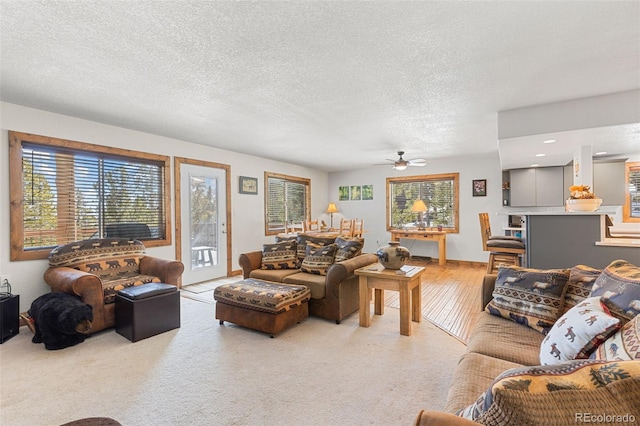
262,305
146,310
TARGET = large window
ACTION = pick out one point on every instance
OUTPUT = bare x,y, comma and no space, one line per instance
64,191
631,209
287,200
439,193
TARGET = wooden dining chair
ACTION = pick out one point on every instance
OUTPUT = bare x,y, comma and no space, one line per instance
312,225
358,228
294,227
346,227
502,249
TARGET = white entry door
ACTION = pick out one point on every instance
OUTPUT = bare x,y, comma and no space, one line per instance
203,223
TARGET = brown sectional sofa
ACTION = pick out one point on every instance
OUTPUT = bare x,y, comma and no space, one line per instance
334,296
498,344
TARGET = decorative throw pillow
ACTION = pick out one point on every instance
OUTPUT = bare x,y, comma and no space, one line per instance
623,345
531,297
581,279
619,286
583,375
279,255
302,241
318,258
578,332
348,248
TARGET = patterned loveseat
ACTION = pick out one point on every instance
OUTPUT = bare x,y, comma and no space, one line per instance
556,347
96,269
325,265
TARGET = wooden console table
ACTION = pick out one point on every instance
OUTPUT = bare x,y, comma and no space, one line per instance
439,236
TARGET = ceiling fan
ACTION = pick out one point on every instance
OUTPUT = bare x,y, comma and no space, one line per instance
402,164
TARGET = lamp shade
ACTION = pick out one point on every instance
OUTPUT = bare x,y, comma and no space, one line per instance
332,208
418,207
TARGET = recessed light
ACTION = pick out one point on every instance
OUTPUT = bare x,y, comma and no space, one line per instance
550,141
540,155
600,153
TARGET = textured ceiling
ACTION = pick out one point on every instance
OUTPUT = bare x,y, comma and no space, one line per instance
330,85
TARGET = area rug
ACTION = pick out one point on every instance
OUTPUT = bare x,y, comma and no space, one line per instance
316,373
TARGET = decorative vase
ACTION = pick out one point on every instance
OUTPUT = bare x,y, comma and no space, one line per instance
393,256
584,205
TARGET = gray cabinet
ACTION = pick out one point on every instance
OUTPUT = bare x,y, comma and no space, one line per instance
542,186
608,182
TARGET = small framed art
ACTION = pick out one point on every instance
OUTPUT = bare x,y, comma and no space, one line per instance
248,185
343,193
367,192
480,188
356,193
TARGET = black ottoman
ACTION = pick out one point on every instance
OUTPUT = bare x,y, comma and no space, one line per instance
146,310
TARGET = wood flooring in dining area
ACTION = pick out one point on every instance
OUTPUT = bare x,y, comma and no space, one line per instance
450,295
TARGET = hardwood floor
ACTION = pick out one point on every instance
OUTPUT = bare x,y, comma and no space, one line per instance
450,295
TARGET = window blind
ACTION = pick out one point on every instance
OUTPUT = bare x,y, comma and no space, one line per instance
634,192
437,194
71,195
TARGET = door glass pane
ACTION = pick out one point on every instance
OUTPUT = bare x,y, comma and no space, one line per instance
203,204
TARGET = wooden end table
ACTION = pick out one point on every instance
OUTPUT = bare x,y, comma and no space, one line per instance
407,282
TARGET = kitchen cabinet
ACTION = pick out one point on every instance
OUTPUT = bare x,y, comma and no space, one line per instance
542,186
608,182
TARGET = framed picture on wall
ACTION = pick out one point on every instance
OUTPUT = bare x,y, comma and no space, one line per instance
480,188
343,193
356,193
367,192
248,185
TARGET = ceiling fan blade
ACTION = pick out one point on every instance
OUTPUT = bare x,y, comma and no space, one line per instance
417,160
412,164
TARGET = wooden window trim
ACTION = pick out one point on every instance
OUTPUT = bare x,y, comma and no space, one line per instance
626,209
421,178
16,209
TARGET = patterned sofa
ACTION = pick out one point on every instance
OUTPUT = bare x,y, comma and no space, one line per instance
96,269
514,373
323,264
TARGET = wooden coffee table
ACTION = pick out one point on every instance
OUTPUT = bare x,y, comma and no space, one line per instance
406,282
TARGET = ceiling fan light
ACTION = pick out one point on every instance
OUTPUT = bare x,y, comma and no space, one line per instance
400,167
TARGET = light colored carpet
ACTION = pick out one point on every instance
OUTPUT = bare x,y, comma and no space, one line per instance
316,373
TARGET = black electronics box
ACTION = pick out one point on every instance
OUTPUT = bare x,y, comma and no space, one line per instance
9,316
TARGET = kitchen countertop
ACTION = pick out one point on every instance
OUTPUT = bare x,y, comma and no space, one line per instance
601,211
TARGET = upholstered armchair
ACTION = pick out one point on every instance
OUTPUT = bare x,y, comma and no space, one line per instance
96,269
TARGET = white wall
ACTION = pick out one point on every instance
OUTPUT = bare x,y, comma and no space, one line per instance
466,245
247,210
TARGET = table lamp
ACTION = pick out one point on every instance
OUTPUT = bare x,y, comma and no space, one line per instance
331,210
419,207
